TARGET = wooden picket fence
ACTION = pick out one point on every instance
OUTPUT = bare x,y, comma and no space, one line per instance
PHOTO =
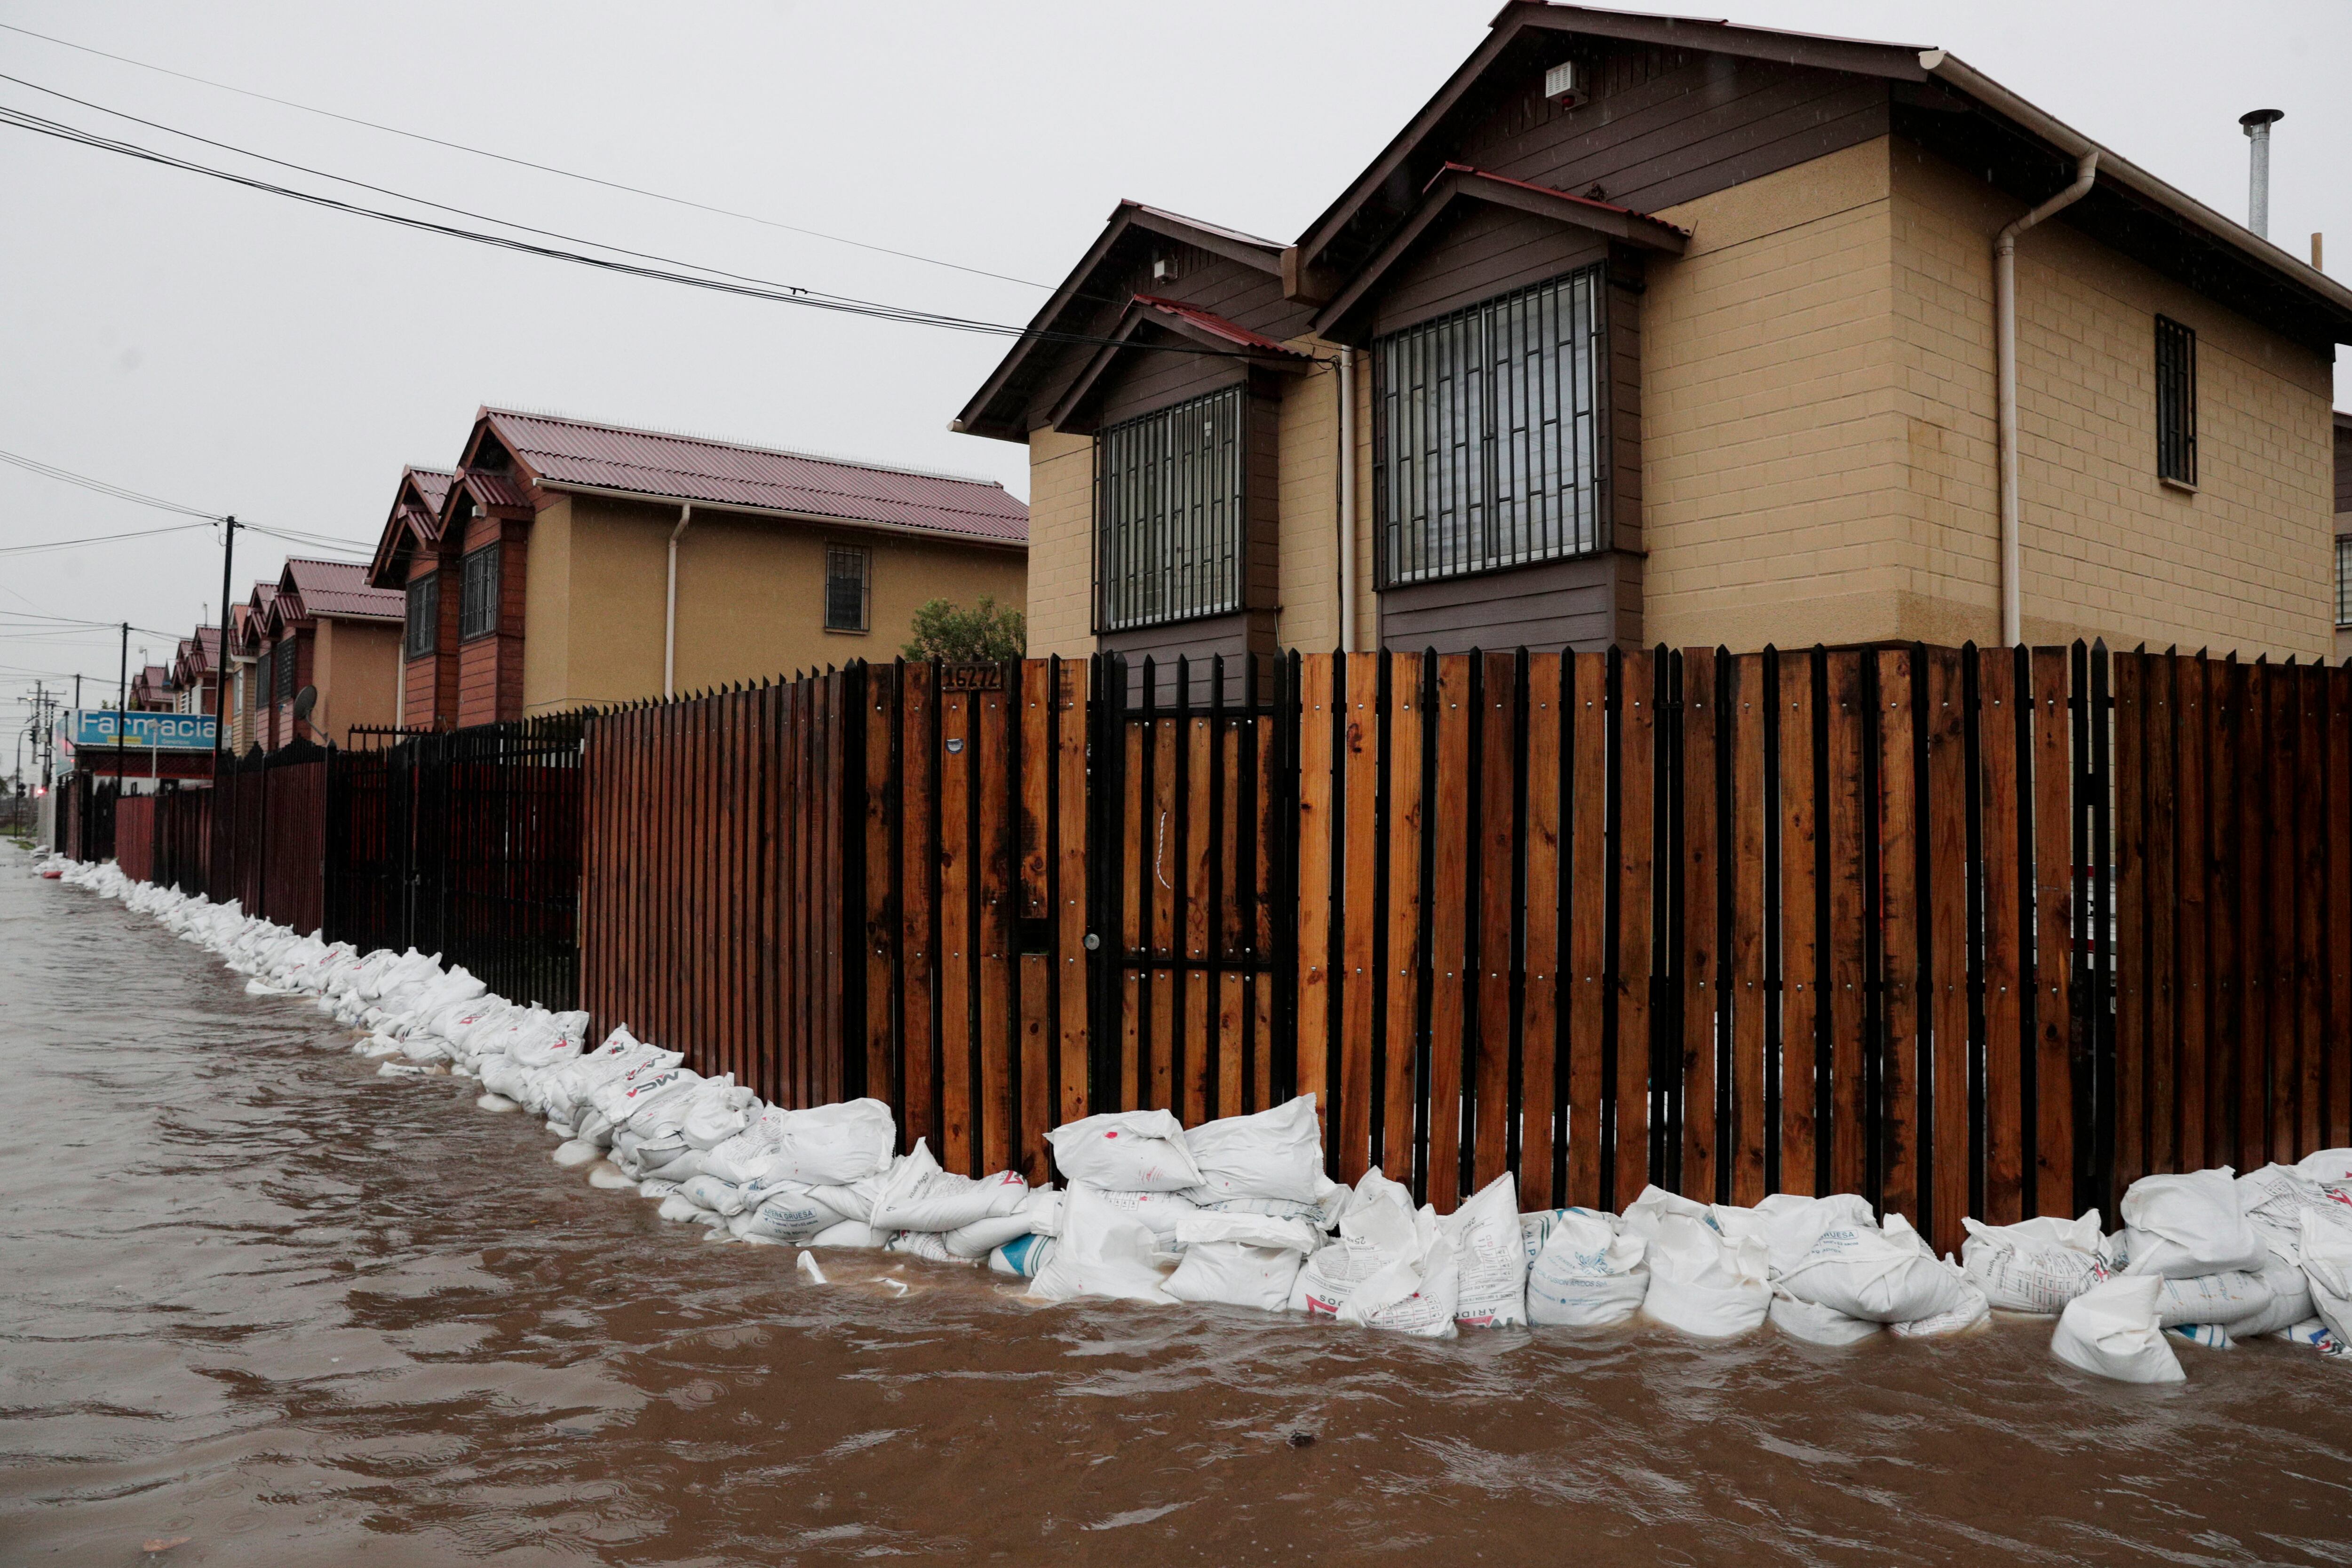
1983,932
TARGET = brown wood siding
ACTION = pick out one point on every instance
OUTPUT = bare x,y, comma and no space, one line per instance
1559,605
489,667
1251,631
1150,380
1476,253
1622,398
1240,294
1681,126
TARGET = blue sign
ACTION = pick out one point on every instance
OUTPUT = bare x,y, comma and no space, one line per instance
145,731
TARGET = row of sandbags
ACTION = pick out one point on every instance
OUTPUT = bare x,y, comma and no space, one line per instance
1240,1211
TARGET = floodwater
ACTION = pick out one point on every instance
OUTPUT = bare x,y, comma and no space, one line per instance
256,1301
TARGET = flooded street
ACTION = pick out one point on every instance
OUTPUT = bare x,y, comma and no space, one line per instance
256,1297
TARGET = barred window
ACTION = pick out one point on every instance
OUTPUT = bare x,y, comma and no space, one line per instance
847,571
1168,514
2176,401
424,614
2344,580
477,610
286,663
1486,434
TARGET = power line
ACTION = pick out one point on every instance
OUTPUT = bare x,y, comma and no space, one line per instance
96,539
24,120
103,487
527,163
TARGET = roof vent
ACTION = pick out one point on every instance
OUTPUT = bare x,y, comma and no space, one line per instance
1564,85
1164,270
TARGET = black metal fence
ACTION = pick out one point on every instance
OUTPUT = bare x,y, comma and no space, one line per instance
465,844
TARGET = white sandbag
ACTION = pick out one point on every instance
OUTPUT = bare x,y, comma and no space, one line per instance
2311,1333
982,1236
494,1101
1240,1259
1126,1151
641,1092
1491,1258
825,1145
1886,1274
2228,1300
577,1152
2035,1266
1417,1289
1643,1215
719,1196
917,1194
1701,1282
1100,1252
929,1244
849,1233
2205,1336
1588,1274
1159,1211
723,1109
2276,1198
1275,1154
1022,1257
655,1190
679,1206
609,1179
1323,1213
1968,1311
784,1213
2110,1330
2327,1266
1790,1223
852,1200
2183,1225
2289,1291
1378,1213
1818,1325
2331,1165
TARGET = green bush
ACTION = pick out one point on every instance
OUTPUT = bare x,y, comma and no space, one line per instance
948,631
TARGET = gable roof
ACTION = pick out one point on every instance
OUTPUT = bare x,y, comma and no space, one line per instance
561,453
338,589
1166,319
414,522
1074,308
1937,100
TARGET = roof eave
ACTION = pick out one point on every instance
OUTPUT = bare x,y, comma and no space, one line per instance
1964,79
819,519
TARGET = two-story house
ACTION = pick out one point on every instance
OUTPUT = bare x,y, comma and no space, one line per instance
1646,330
320,626
564,563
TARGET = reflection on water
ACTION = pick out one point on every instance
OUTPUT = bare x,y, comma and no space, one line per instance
254,1296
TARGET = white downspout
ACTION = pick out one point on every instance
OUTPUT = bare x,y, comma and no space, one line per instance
1347,500
670,612
2004,293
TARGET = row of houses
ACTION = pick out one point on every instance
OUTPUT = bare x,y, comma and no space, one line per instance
1643,329
563,562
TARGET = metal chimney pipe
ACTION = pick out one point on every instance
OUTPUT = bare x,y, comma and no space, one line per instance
2258,176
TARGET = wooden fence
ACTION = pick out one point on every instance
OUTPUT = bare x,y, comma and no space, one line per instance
1968,931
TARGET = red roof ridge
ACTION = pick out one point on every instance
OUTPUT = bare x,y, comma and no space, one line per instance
725,443
1450,167
1216,323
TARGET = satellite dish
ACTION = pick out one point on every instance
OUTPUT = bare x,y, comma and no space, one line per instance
304,701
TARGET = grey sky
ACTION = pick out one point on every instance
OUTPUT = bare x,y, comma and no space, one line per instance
237,352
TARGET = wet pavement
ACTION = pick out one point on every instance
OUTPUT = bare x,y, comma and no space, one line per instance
253,1296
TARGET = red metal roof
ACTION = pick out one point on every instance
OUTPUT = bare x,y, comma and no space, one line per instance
1476,172
432,485
340,588
691,468
1232,333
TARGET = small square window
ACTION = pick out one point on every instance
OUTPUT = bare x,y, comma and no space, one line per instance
848,570
2176,402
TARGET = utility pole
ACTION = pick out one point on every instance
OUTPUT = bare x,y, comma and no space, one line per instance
220,673
122,707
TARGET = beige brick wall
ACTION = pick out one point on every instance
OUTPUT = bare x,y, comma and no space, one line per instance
2109,550
1061,544
1308,507
1773,458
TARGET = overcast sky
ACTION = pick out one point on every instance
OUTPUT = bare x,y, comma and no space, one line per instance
238,352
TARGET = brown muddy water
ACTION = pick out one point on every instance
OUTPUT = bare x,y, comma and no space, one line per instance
255,1297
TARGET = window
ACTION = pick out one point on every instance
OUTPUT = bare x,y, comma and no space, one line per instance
286,663
424,614
1168,514
477,610
846,568
2176,402
1486,430
2344,580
